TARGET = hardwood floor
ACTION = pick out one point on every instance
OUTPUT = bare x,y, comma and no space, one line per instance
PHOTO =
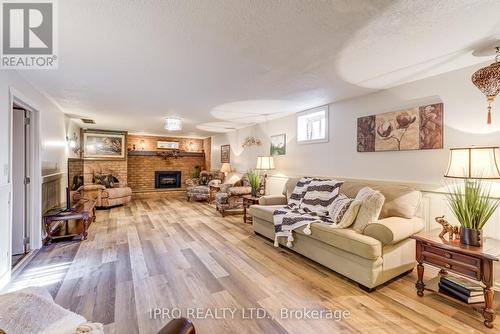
165,252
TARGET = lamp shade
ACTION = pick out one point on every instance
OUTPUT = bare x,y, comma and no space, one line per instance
265,163
474,162
225,168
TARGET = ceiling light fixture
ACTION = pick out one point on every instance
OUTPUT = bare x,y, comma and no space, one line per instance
487,79
173,124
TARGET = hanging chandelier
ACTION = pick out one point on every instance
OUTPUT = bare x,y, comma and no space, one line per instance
487,79
173,124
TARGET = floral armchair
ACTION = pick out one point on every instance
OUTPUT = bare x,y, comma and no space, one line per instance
198,189
230,196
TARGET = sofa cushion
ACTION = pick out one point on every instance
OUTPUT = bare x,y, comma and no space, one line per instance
400,200
369,211
394,229
345,239
117,192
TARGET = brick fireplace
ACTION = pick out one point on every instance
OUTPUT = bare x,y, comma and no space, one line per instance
144,165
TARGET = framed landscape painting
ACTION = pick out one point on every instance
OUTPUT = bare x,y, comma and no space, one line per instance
278,144
104,145
225,153
418,128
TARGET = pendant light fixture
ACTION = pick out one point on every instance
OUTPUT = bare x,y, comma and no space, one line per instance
487,79
173,124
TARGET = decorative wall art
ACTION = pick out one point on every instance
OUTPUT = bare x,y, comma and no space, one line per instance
167,144
104,145
418,128
278,144
225,153
251,141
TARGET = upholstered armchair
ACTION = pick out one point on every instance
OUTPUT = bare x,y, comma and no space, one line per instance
198,189
230,196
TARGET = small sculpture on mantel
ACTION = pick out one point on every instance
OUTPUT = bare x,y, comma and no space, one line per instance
453,231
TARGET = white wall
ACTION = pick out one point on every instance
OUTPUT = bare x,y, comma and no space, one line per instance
464,118
53,153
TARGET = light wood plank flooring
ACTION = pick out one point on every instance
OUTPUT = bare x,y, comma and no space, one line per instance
164,252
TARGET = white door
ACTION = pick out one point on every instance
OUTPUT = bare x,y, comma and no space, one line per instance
20,182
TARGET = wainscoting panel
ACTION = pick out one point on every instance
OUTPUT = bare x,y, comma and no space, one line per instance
53,191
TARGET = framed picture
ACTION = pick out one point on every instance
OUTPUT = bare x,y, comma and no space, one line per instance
225,153
278,144
104,145
167,144
418,128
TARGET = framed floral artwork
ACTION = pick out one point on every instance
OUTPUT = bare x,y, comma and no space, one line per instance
416,128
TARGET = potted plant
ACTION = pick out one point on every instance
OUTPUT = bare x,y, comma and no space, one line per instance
254,180
472,205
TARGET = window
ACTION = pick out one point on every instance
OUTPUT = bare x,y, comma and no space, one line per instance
312,125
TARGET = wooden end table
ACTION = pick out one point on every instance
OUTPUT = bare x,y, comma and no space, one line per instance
213,189
248,200
468,261
83,210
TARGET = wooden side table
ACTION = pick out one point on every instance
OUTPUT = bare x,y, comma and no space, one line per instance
248,200
213,189
450,255
84,210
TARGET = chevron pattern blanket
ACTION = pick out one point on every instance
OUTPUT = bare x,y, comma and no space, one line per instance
310,202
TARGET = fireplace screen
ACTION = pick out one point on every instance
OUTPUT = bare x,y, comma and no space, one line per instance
167,179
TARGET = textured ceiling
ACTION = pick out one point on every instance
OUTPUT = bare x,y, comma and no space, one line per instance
223,64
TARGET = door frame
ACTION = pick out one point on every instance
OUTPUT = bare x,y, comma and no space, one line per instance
35,168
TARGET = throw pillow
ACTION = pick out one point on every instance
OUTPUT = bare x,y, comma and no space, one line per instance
350,215
204,179
339,208
320,196
77,182
371,205
105,180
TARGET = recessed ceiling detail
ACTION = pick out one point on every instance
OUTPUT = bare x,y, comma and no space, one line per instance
220,127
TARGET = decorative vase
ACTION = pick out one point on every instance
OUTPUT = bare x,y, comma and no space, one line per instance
254,192
471,236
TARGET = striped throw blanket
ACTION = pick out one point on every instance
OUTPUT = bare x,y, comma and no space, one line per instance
310,202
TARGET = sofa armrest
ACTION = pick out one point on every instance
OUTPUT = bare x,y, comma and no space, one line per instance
394,229
89,187
273,200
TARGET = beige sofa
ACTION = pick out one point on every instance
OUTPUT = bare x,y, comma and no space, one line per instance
382,252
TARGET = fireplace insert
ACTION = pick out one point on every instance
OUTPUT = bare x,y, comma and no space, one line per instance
170,179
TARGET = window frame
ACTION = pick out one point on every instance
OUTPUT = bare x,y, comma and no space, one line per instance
326,108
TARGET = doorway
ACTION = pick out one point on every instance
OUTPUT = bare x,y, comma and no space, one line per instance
21,182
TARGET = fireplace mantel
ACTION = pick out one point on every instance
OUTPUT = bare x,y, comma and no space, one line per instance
155,153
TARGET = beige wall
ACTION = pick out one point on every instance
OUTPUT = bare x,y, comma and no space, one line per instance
464,118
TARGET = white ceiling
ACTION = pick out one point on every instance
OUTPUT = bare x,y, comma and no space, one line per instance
222,64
